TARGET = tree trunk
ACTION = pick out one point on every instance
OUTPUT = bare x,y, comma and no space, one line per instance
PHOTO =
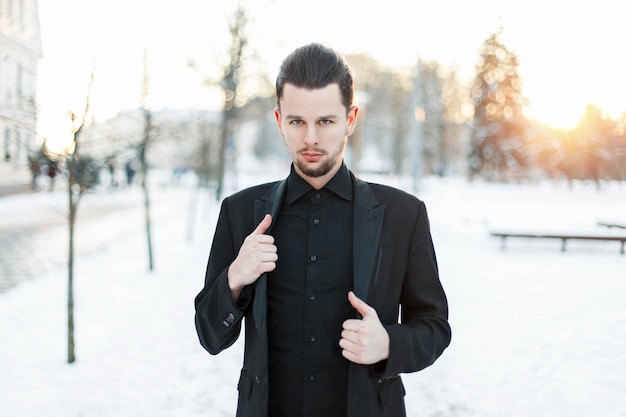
221,163
143,160
146,201
71,355
144,182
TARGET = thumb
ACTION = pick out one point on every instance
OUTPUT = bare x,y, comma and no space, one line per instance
263,226
359,305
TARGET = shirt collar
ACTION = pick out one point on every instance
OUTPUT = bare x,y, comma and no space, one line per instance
340,184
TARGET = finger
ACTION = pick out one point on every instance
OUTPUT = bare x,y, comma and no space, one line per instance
347,344
359,305
269,256
352,325
263,226
348,334
351,352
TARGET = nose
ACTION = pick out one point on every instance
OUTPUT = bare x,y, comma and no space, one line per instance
310,135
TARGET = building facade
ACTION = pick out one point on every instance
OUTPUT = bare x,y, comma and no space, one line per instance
20,51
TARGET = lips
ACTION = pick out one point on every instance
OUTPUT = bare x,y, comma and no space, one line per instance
312,156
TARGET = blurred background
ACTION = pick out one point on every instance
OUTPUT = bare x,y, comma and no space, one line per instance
493,89
118,116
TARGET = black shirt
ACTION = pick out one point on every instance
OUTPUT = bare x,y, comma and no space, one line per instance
308,299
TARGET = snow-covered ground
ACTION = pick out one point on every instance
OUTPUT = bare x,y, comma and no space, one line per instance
536,332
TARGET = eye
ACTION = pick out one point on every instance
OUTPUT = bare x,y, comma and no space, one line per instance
296,122
325,122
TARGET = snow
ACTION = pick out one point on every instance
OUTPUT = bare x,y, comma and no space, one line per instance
536,331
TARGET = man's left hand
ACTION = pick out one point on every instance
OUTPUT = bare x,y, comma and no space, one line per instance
364,341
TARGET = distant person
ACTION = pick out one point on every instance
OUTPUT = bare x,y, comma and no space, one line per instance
320,265
110,163
35,170
51,171
130,172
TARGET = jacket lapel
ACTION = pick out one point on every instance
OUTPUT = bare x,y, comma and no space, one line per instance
367,226
269,203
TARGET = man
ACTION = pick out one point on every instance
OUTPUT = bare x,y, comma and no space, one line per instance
320,265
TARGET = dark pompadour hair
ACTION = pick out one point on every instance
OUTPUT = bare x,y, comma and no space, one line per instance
315,66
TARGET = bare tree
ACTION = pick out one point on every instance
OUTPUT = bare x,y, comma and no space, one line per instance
230,83
143,162
384,95
200,161
78,168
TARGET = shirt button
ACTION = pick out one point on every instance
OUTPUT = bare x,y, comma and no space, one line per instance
312,297
313,258
317,195
311,338
316,222
311,377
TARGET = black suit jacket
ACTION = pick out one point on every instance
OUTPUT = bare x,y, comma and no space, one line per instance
395,271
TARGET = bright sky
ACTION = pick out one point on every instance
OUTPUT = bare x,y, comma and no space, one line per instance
570,54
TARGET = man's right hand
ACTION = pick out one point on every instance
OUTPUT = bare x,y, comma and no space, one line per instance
257,255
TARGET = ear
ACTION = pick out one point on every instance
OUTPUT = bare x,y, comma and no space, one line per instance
352,114
279,122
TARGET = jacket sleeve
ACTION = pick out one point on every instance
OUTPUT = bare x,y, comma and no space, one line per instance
218,319
423,332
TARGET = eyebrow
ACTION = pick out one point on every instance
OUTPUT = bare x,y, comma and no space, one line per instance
329,116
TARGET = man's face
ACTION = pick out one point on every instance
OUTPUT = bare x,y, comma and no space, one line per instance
315,128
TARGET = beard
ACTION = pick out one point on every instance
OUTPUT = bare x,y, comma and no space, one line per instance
325,166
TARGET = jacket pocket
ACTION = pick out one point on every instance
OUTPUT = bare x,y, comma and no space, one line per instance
390,391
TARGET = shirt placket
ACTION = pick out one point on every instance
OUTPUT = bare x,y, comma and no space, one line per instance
311,310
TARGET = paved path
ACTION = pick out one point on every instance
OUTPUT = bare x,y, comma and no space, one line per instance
34,228
11,189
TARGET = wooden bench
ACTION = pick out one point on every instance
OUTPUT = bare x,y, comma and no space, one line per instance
612,225
563,237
